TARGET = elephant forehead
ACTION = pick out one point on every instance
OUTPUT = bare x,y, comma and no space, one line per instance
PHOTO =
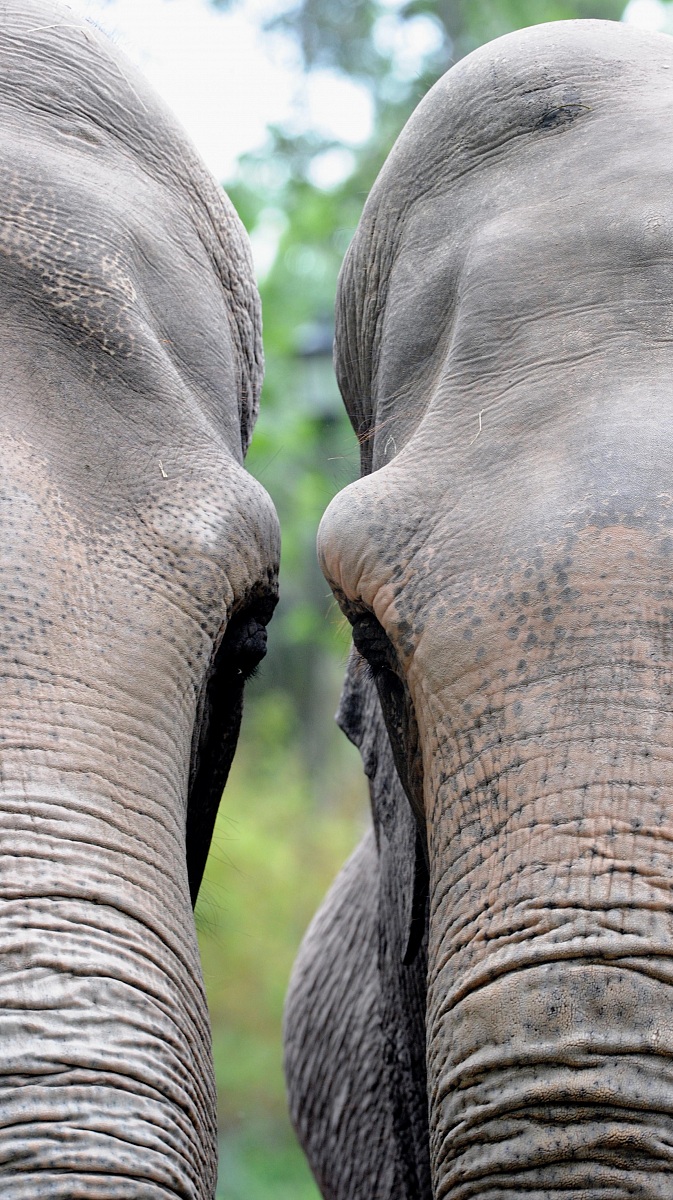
111,225
499,276
81,275
526,89
60,72
518,167
109,267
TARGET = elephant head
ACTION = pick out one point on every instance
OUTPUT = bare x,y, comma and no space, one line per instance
138,565
505,350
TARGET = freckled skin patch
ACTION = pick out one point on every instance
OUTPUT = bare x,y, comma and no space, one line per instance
504,349
138,570
76,271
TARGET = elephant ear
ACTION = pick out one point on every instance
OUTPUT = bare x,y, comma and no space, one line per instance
402,932
404,878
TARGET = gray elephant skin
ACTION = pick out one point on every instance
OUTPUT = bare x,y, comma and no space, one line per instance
138,568
505,351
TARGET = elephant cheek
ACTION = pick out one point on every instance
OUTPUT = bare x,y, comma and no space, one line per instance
357,543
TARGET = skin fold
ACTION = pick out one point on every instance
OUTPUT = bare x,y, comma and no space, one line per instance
355,1010
138,566
505,351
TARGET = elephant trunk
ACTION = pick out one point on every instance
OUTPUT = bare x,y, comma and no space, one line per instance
106,1078
106,1075
555,1084
106,1086
550,1040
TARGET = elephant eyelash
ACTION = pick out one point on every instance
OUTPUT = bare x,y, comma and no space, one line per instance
371,671
366,668
248,672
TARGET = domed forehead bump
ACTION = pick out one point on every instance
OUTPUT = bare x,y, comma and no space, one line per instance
500,114
91,101
525,83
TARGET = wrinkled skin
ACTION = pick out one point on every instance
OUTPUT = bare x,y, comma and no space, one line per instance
137,572
504,347
355,1009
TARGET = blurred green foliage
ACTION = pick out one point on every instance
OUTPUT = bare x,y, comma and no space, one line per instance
273,857
276,849
347,34
295,803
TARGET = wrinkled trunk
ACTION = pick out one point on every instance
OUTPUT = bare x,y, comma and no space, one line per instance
539,693
106,1084
551,938
105,1089
106,1079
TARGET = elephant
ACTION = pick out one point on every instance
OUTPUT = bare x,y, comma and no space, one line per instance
482,1008
138,572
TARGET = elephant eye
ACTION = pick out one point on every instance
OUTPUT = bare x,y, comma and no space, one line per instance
245,646
372,642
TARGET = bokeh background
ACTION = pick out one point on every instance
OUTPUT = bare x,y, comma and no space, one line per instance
295,104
